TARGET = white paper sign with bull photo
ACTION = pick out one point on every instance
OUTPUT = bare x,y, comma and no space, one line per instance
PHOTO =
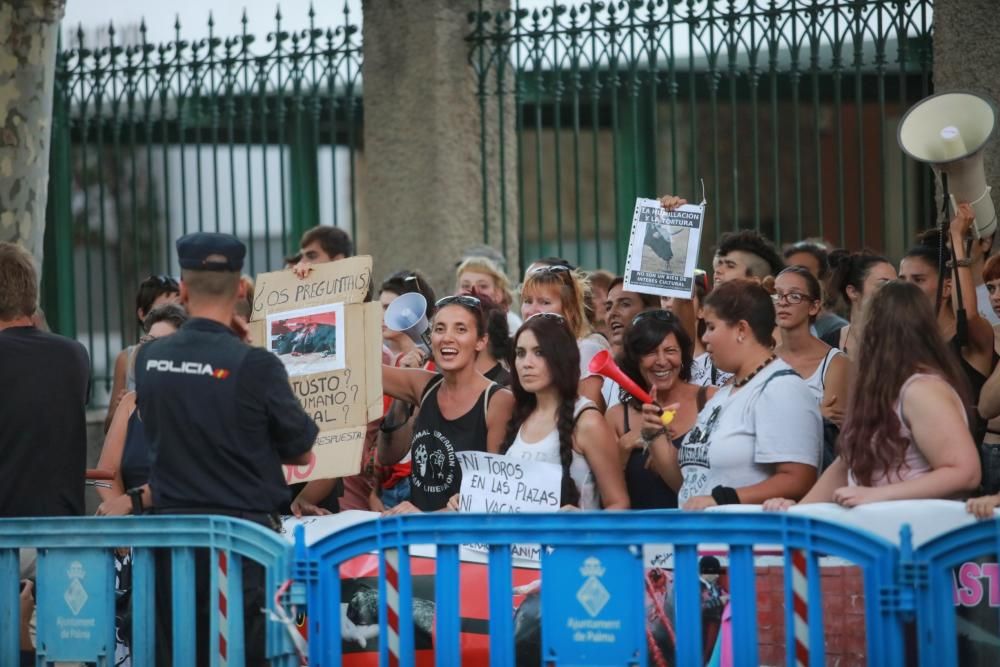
663,248
330,342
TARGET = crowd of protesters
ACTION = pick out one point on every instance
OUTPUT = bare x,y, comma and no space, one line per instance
804,375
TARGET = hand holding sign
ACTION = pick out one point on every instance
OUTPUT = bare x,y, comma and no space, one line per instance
663,246
321,329
494,484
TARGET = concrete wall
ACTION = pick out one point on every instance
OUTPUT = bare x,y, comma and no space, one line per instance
423,181
966,58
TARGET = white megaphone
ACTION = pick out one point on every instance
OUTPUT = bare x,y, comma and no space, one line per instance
948,131
408,314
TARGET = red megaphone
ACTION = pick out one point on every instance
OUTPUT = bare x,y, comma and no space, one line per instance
603,364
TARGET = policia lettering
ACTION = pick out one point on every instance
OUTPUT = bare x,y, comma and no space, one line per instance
186,368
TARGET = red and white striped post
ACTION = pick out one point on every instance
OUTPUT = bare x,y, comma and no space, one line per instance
800,603
392,604
223,608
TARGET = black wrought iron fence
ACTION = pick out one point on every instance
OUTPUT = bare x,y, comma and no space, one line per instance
786,109
256,136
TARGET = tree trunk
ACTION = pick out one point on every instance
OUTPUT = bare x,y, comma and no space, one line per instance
29,32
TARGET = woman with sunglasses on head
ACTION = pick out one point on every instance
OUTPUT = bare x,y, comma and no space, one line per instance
761,435
153,291
397,427
656,355
126,451
559,289
553,423
460,409
798,300
457,409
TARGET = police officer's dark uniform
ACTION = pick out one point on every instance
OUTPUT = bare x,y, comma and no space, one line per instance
219,414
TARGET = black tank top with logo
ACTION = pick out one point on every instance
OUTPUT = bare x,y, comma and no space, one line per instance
435,475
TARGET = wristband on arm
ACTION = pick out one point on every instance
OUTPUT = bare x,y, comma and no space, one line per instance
725,495
136,495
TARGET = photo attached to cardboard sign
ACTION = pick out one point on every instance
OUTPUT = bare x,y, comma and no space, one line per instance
309,340
663,249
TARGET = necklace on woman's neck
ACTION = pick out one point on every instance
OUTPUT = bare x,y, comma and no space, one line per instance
739,383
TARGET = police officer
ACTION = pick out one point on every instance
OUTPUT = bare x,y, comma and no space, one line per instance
219,414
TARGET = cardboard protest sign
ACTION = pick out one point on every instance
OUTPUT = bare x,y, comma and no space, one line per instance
495,484
663,249
331,345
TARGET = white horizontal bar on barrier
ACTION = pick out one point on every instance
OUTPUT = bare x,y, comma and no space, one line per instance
927,518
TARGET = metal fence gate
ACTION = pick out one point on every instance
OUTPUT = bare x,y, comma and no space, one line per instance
256,135
785,108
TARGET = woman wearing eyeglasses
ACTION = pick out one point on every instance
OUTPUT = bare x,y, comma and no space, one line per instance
797,301
656,355
460,409
559,289
552,423
761,435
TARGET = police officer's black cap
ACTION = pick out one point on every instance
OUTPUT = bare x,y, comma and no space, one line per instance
193,251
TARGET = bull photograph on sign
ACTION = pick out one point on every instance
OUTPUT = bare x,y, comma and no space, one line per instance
664,249
308,340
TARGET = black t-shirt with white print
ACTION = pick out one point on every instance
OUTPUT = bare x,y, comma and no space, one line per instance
435,475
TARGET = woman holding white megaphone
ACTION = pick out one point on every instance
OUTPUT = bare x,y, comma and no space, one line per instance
459,408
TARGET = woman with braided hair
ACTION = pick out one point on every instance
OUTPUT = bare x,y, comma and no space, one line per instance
552,423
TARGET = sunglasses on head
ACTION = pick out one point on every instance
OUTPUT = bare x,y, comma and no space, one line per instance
549,316
658,314
162,281
461,300
555,268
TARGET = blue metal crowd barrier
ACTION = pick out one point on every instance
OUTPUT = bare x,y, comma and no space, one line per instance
596,559
76,575
591,565
932,570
